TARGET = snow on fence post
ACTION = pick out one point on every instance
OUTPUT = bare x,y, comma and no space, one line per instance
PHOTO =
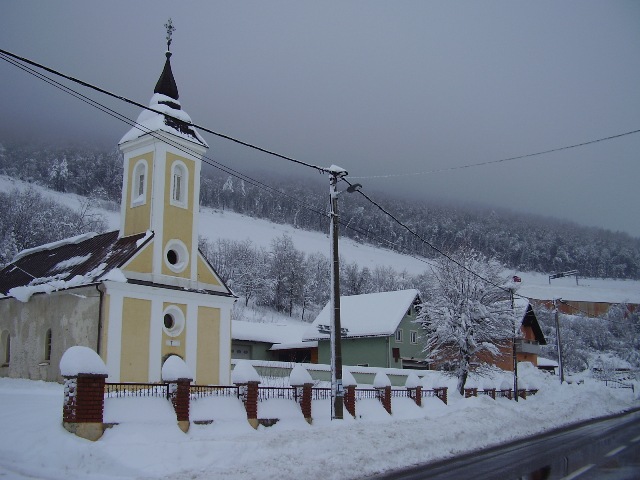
471,389
178,375
247,380
414,388
505,389
382,384
84,375
349,383
441,393
303,383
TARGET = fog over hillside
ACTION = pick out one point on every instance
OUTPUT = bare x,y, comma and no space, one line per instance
521,241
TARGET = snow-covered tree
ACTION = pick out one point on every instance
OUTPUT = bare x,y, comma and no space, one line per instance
464,315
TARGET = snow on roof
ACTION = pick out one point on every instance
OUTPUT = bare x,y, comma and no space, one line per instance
149,121
287,333
545,362
53,245
72,262
371,314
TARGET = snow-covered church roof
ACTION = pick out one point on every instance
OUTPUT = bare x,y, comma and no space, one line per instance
71,262
168,115
368,315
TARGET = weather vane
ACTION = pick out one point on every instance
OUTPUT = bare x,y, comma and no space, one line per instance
170,29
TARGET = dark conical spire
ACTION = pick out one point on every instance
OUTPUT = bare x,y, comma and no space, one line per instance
166,83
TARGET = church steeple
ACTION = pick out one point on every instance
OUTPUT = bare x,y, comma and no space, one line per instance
166,83
161,182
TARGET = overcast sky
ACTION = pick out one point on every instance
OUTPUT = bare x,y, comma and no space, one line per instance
378,88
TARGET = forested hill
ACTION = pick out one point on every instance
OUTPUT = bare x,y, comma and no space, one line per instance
521,241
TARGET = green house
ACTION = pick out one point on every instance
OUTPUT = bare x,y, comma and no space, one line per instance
378,330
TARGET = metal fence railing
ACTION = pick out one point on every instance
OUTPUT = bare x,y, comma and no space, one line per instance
203,391
121,390
266,393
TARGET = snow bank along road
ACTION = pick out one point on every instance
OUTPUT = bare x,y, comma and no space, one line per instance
605,448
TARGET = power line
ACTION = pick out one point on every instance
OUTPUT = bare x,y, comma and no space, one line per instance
490,162
206,159
430,245
209,161
133,102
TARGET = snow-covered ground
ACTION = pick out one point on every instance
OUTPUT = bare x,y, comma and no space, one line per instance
147,443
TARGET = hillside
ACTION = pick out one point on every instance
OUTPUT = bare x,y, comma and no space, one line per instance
520,241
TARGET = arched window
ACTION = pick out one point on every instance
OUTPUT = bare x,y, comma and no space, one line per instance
179,182
47,346
139,183
5,348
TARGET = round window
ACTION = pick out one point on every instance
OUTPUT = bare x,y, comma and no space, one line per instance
176,256
169,321
173,321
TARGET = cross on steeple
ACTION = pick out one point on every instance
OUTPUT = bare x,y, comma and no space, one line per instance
170,29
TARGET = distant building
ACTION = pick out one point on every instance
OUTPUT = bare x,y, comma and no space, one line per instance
379,330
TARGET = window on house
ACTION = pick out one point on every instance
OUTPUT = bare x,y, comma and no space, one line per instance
139,184
413,336
399,335
47,346
179,185
5,348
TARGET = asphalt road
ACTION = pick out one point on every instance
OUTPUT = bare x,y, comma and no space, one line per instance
603,449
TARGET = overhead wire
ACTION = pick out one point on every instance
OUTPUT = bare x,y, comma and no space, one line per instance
230,171
146,107
424,241
206,159
502,160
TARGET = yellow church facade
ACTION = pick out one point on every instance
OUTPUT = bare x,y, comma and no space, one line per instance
137,295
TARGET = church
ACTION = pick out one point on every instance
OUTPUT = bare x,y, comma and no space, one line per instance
137,295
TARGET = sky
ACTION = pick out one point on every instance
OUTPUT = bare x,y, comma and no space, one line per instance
386,90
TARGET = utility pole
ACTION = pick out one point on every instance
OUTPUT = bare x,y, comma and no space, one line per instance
558,344
337,390
515,350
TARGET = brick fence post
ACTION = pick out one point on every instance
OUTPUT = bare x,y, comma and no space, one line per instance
180,395
441,393
470,392
350,399
178,375
384,395
84,375
247,380
305,401
83,408
251,403
382,384
416,395
303,384
414,388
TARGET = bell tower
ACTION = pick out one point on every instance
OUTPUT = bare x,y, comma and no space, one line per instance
161,181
